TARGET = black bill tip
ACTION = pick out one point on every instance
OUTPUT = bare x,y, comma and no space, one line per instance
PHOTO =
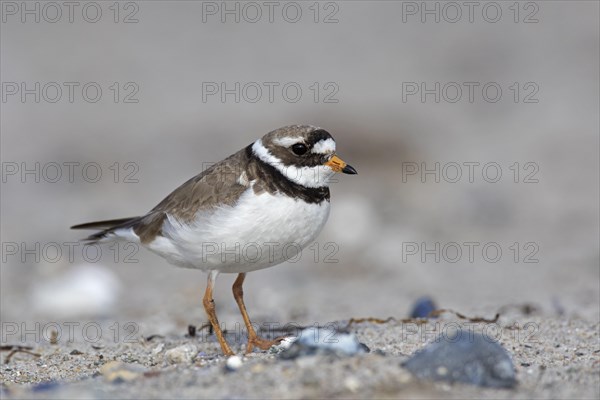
349,170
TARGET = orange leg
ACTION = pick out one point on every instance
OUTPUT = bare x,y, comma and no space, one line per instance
209,306
253,339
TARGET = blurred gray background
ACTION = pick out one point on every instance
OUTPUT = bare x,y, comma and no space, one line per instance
365,56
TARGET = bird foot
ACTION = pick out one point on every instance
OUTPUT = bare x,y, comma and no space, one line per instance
261,343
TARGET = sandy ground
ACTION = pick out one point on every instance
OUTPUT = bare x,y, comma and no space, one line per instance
393,232
554,358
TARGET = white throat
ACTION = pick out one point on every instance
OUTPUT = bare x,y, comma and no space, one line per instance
311,177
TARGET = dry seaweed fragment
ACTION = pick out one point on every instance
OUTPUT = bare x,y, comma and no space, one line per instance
14,349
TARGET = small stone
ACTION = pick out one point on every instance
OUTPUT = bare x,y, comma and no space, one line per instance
257,368
191,330
45,386
365,348
404,377
233,363
181,354
322,340
352,384
75,352
423,307
464,357
152,374
117,372
158,349
54,337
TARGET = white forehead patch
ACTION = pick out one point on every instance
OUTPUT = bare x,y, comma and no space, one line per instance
287,141
326,146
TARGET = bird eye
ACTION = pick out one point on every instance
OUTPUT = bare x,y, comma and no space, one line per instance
299,149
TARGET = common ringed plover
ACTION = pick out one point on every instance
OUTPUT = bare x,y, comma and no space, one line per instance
252,210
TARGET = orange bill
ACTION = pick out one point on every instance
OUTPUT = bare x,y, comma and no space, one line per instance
339,165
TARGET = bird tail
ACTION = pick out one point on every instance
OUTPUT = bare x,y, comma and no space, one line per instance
107,228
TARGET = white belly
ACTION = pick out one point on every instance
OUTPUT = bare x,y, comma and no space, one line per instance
258,232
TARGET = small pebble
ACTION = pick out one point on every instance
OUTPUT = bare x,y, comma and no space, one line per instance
257,368
54,337
181,354
352,384
233,363
159,347
45,386
423,307
322,340
192,330
464,357
117,372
